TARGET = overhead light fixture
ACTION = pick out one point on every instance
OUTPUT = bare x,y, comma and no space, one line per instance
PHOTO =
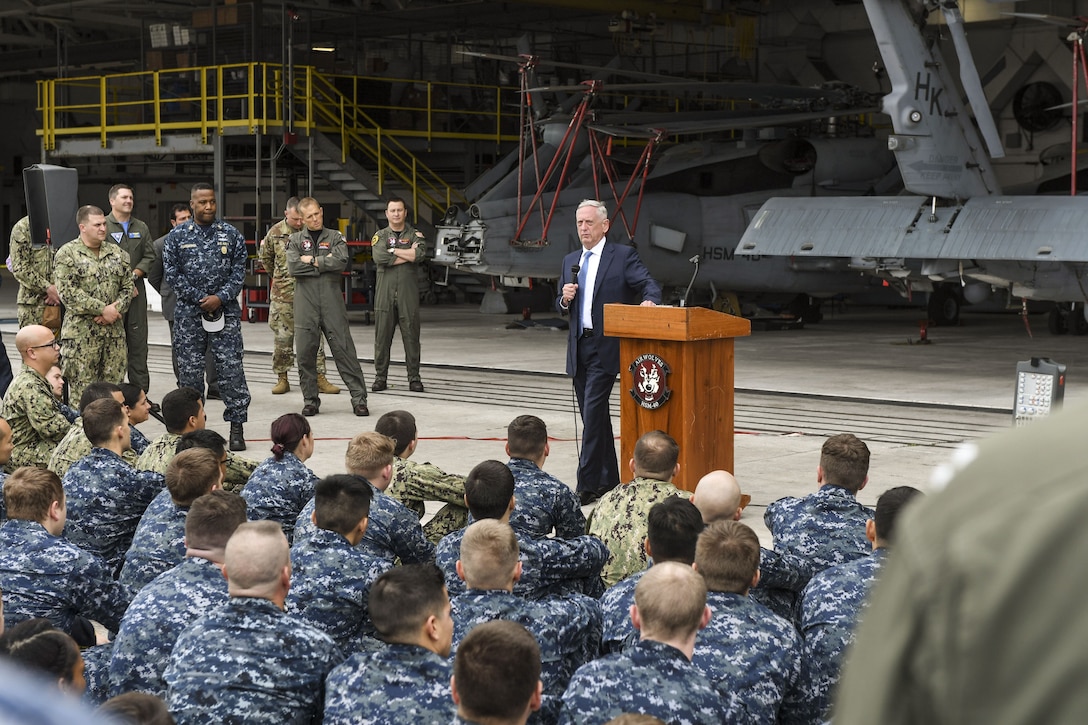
323,48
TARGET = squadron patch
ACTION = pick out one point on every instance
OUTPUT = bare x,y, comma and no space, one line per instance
649,385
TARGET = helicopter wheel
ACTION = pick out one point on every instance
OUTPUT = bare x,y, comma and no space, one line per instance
944,306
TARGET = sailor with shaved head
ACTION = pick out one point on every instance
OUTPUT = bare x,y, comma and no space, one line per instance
781,573
249,661
718,497
36,423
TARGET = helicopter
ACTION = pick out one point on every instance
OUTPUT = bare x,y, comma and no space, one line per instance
681,186
956,228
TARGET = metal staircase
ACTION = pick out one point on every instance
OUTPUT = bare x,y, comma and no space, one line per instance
349,150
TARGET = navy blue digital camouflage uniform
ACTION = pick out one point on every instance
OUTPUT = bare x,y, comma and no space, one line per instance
198,262
96,673
138,440
158,545
393,532
617,631
826,527
48,576
544,502
830,607
278,491
398,684
249,662
784,569
568,630
106,498
156,618
753,655
652,678
75,445
330,586
549,567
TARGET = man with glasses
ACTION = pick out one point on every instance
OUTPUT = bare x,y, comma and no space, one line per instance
598,274
281,302
36,423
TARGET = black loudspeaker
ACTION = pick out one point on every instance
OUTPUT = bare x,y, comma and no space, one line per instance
52,200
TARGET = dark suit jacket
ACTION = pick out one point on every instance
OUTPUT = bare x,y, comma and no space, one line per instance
621,278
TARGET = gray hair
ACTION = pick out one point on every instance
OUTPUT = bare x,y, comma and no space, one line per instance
602,210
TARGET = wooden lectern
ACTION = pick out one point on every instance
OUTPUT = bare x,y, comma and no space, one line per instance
676,375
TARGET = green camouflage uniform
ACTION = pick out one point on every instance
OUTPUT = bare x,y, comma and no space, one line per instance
413,483
281,299
157,456
396,298
36,422
139,244
87,283
619,520
32,268
75,445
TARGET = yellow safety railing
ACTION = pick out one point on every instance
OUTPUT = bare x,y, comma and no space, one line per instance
330,111
248,98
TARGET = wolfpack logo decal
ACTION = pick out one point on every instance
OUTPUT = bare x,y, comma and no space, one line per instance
650,381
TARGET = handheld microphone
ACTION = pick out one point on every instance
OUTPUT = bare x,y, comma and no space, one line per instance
574,270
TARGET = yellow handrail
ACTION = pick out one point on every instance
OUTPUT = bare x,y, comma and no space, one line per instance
247,98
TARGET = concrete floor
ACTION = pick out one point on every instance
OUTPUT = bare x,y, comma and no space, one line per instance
855,371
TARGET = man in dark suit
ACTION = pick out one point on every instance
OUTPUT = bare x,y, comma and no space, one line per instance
606,273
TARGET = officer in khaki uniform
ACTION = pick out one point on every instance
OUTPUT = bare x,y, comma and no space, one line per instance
281,302
95,283
397,249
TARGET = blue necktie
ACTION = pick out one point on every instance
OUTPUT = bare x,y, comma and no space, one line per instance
582,271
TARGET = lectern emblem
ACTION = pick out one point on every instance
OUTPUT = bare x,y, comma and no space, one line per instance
650,385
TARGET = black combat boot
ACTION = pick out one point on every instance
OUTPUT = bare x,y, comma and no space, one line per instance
237,437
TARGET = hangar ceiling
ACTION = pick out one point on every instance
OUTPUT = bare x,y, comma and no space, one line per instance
46,38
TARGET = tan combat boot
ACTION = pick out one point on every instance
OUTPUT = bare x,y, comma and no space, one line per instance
281,386
324,386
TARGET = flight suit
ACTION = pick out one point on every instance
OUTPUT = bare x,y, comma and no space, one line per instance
281,299
138,242
397,289
319,308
